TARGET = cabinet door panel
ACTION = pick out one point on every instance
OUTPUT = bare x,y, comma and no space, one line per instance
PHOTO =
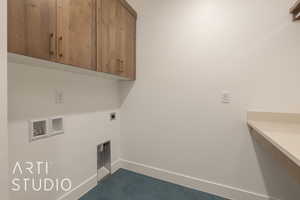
32,28
108,46
127,44
77,33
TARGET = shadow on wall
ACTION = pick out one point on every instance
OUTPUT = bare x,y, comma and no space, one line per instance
125,89
276,178
33,92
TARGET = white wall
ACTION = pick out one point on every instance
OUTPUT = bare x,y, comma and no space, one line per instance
188,53
88,101
3,104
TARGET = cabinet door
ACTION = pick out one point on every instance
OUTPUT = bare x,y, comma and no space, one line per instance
127,44
32,28
77,33
108,40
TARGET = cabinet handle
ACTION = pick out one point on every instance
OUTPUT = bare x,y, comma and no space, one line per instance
121,63
51,52
122,66
60,39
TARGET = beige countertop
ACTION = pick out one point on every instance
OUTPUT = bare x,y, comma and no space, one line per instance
280,129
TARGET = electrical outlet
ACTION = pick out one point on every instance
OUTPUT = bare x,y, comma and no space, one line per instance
226,97
59,97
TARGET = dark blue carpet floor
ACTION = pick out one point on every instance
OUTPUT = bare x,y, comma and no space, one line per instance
126,185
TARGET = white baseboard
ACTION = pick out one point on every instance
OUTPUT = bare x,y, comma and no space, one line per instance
87,184
194,183
81,189
173,177
116,165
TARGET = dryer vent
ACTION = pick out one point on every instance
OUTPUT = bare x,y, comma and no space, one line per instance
104,161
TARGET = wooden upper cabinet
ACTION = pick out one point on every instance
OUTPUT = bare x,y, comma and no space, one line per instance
116,38
295,10
108,41
98,35
32,28
127,43
77,33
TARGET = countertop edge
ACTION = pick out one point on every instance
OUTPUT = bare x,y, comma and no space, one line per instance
252,125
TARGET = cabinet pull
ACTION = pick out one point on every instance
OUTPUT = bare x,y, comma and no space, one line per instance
51,52
121,65
60,39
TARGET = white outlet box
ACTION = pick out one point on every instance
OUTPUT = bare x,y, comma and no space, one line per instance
43,128
38,129
57,125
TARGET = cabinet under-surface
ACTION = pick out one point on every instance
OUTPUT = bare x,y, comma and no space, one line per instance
97,35
295,10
